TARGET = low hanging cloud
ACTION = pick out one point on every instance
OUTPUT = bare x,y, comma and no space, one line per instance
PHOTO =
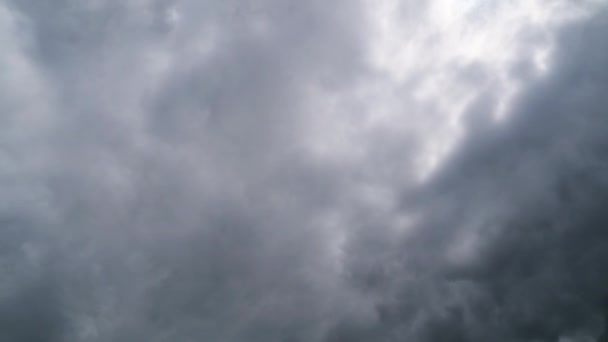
510,244
303,171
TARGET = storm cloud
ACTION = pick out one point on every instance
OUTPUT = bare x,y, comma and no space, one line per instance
272,170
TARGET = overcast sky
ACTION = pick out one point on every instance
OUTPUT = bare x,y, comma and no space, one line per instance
303,171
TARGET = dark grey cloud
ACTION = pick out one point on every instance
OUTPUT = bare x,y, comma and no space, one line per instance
511,246
181,202
220,170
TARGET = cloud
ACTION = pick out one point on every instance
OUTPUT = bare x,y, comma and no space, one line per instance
510,244
301,171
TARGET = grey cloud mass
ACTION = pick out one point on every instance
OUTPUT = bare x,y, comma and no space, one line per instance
512,245
303,171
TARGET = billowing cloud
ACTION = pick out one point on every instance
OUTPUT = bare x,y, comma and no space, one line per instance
302,171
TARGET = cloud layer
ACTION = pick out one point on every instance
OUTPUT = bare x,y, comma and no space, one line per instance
303,171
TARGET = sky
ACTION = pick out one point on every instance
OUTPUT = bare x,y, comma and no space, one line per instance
303,171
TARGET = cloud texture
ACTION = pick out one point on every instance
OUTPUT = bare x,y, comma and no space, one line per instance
303,171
